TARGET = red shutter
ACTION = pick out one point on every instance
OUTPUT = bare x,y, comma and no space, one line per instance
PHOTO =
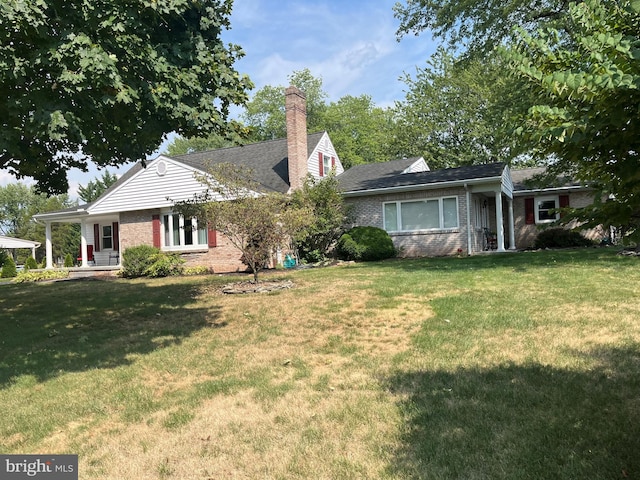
96,237
529,213
156,231
320,164
563,200
333,162
116,236
212,237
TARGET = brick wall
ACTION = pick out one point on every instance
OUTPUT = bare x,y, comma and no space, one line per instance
367,211
526,234
136,229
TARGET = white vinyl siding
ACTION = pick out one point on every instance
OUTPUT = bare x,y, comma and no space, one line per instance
415,215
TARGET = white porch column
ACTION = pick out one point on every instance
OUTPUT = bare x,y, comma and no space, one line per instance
468,200
512,229
48,246
499,222
83,244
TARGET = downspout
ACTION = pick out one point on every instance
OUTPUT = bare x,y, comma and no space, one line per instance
468,198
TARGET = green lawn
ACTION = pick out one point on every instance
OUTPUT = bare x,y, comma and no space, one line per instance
507,366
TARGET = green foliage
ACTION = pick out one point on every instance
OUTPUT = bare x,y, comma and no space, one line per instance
30,263
79,82
97,187
329,214
41,276
255,223
9,268
561,238
137,260
182,146
459,113
18,204
366,244
265,113
360,131
587,85
68,260
165,265
3,257
475,26
196,270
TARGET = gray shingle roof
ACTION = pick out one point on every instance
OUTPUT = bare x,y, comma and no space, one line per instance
268,160
522,180
389,175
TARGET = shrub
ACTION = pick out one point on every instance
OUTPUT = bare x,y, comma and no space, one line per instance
3,257
30,263
561,238
365,243
41,276
136,260
165,265
68,260
9,268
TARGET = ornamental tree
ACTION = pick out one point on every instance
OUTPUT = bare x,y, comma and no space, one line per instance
257,223
106,81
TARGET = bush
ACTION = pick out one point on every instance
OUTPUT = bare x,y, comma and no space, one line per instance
24,277
68,260
561,238
147,261
365,243
9,268
165,265
136,260
30,263
3,257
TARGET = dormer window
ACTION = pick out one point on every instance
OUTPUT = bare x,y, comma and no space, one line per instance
326,164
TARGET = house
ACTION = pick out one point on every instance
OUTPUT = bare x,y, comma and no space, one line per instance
138,208
426,212
439,212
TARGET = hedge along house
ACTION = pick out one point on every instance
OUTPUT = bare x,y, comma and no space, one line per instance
138,208
430,213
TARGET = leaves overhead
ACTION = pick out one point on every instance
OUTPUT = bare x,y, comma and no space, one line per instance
105,81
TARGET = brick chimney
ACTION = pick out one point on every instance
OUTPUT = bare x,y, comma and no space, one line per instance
296,115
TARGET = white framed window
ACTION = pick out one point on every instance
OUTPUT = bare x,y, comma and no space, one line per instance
326,165
107,237
545,209
428,214
180,233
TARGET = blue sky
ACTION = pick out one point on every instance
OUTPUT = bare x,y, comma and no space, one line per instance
351,45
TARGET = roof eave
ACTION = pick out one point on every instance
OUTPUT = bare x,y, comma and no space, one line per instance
422,186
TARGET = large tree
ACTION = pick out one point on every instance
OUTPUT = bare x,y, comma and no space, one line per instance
97,187
474,26
265,113
459,113
587,82
18,204
106,81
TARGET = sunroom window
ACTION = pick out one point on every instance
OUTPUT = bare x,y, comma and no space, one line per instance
427,214
180,232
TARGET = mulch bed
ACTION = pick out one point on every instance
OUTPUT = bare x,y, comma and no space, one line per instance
264,286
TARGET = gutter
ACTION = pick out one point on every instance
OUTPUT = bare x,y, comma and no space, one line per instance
422,186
